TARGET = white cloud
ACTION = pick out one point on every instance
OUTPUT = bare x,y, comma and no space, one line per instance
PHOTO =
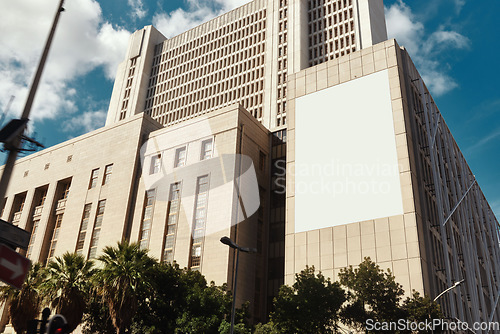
424,49
86,121
179,20
137,8
441,40
195,13
402,25
459,5
485,140
82,42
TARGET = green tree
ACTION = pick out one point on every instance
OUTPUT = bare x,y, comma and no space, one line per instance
204,306
239,328
24,303
96,319
66,286
267,328
421,309
159,308
125,276
372,294
310,305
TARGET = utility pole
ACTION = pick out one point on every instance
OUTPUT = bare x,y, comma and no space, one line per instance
15,146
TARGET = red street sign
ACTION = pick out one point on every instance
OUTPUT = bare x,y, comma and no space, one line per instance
13,267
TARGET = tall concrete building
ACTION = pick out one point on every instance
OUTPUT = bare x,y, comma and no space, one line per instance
242,56
382,177
291,126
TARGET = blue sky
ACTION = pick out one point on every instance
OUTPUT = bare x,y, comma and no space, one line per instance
452,42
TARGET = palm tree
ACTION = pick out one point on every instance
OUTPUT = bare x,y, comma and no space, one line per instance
25,303
67,286
125,274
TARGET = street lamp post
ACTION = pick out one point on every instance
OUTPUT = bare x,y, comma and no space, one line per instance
232,244
15,145
457,283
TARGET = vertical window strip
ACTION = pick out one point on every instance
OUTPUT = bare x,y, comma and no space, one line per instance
147,218
180,157
33,237
55,235
83,228
97,228
107,174
200,214
172,218
155,164
93,178
207,147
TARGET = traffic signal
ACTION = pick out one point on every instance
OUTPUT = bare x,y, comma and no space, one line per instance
57,325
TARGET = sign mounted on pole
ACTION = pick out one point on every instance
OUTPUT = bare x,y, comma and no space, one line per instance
13,267
13,235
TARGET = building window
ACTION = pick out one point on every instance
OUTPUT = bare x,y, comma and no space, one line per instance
172,218
65,192
180,157
155,164
32,238
83,228
43,197
206,149
97,228
107,174
200,214
147,218
93,178
55,235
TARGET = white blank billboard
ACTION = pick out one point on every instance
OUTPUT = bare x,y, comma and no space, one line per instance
346,166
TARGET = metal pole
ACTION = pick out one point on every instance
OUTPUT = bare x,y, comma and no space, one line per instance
234,289
11,159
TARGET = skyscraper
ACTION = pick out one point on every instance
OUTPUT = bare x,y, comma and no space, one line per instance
242,56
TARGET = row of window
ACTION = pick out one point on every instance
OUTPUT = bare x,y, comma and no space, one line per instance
329,9
39,199
332,30
333,4
282,64
199,221
250,96
214,70
240,47
206,152
94,176
233,32
204,86
333,47
128,88
96,231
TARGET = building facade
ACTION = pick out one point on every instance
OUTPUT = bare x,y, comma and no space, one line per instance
242,56
161,187
389,183
290,126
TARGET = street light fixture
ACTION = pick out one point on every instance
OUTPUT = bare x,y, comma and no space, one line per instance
232,244
457,283
450,288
